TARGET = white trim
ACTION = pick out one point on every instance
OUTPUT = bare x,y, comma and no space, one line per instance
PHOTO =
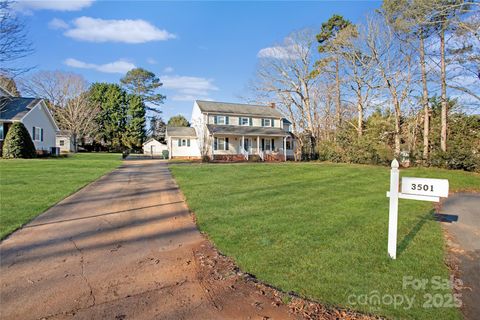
47,111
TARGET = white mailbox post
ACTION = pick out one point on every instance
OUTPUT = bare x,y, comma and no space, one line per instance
413,189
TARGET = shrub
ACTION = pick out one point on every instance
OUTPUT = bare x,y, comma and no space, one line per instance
205,158
459,158
18,143
254,158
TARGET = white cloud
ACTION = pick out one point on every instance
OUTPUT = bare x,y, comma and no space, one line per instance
119,66
59,5
127,31
168,70
278,52
188,88
56,23
289,50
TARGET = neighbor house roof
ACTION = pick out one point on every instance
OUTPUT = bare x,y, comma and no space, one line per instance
15,108
245,130
238,108
181,132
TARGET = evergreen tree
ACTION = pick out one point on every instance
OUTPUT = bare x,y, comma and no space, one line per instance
18,143
135,125
112,118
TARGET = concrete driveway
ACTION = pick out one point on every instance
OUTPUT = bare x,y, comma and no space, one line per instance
124,247
464,210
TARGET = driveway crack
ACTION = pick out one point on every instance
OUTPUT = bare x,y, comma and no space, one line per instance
82,264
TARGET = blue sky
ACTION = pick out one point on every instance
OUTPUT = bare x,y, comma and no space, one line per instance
200,50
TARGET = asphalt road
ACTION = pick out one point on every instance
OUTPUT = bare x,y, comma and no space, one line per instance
465,246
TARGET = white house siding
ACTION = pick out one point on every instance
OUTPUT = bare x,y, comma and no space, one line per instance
256,121
198,122
193,151
38,117
154,147
67,143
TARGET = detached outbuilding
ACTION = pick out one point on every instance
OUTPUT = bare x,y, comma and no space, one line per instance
154,147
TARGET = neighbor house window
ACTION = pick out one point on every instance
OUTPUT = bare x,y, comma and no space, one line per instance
62,143
37,134
220,144
244,121
267,122
184,142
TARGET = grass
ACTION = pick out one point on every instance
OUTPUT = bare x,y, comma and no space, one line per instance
30,186
320,230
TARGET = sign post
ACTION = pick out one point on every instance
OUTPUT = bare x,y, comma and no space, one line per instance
423,189
393,210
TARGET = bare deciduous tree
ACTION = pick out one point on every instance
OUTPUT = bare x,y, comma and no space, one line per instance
393,62
66,96
14,43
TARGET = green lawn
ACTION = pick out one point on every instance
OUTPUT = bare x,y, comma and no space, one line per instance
30,186
320,230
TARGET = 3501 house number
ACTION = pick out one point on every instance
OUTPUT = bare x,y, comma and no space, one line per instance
422,187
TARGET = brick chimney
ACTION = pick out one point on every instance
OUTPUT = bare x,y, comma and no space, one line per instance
272,105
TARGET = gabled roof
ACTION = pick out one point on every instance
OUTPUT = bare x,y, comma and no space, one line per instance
246,130
181,132
152,139
238,108
15,108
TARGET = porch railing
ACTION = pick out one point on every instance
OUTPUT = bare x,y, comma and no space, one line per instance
262,155
244,152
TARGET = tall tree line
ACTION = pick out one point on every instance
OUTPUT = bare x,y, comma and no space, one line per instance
374,83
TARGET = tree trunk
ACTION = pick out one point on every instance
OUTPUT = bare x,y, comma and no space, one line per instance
426,109
360,119
443,79
398,115
339,102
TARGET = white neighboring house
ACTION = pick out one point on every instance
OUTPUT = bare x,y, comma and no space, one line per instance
34,114
64,141
182,143
154,147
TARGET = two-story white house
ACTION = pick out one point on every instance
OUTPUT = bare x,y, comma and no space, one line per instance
234,132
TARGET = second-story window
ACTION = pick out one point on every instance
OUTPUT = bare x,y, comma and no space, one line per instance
267,122
244,121
221,119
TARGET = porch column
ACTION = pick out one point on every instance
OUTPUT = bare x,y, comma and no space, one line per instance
258,145
213,147
285,148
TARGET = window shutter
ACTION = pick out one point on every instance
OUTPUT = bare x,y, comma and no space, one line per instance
33,133
227,120
273,144
263,122
273,122
226,143
215,144
239,121
188,143
41,134
179,142
215,119
250,120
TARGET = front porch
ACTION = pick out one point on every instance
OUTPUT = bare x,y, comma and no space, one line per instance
236,148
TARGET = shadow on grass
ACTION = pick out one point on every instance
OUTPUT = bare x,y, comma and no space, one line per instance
413,232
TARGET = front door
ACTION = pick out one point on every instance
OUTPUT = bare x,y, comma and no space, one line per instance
247,143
